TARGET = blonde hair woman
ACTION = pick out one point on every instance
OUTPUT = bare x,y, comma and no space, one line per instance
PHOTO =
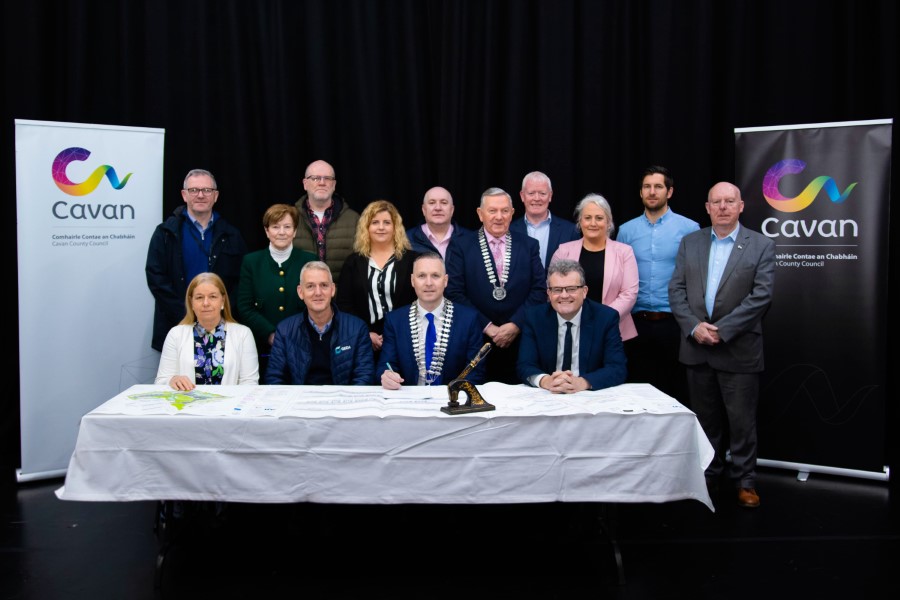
208,347
377,277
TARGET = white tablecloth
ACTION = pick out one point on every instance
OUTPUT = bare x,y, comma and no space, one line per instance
274,444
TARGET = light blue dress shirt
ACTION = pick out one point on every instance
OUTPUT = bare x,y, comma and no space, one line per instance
655,246
719,252
540,232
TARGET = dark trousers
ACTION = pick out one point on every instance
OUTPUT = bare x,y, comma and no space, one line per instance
501,363
653,357
725,404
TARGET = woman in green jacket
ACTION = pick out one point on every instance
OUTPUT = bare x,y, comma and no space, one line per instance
267,292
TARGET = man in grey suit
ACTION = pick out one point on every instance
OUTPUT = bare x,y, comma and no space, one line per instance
719,293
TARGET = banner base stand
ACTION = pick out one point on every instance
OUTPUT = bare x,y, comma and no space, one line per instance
37,476
803,470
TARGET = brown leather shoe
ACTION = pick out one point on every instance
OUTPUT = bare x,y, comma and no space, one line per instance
748,497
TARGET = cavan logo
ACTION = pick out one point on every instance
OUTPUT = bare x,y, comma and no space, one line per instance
800,228
63,210
61,162
792,166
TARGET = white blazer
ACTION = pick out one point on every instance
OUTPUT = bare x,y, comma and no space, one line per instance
241,360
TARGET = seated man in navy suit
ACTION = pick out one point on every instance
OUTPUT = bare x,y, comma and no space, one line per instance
498,273
321,345
413,355
588,353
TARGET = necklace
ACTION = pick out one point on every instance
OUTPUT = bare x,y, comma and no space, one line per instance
499,291
440,346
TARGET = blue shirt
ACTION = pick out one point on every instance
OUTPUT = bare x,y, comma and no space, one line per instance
655,246
719,251
540,232
320,330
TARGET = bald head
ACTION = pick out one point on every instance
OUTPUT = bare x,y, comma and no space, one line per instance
319,183
724,206
439,193
724,188
319,167
437,208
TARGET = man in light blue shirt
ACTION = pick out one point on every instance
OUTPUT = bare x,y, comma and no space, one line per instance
719,252
655,236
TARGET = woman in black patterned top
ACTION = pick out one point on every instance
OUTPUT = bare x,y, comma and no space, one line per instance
377,277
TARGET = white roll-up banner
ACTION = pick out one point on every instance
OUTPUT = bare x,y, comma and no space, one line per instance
88,199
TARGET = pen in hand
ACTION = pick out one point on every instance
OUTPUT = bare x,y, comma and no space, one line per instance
391,382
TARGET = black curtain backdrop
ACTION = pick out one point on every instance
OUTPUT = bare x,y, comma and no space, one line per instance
401,95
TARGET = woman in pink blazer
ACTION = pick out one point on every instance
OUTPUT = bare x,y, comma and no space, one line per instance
610,268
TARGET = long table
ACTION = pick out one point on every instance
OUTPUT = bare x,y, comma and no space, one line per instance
331,444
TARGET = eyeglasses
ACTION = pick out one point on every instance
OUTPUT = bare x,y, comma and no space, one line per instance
197,191
318,178
569,289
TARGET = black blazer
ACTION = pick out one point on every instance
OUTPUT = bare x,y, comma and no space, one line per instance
353,288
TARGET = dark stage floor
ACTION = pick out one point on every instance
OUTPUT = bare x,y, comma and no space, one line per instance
827,537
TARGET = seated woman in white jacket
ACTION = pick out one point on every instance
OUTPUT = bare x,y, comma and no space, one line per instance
208,347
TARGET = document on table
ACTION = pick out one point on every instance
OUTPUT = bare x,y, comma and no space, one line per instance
210,401
418,392
164,402
524,399
298,401
361,401
629,398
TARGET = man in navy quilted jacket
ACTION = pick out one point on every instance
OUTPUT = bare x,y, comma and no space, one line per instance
322,345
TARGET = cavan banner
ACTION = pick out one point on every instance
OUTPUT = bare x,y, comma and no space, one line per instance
822,194
88,200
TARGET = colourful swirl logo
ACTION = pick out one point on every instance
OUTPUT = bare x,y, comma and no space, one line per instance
792,166
61,162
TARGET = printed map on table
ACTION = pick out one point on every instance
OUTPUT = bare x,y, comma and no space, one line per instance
179,399
211,401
